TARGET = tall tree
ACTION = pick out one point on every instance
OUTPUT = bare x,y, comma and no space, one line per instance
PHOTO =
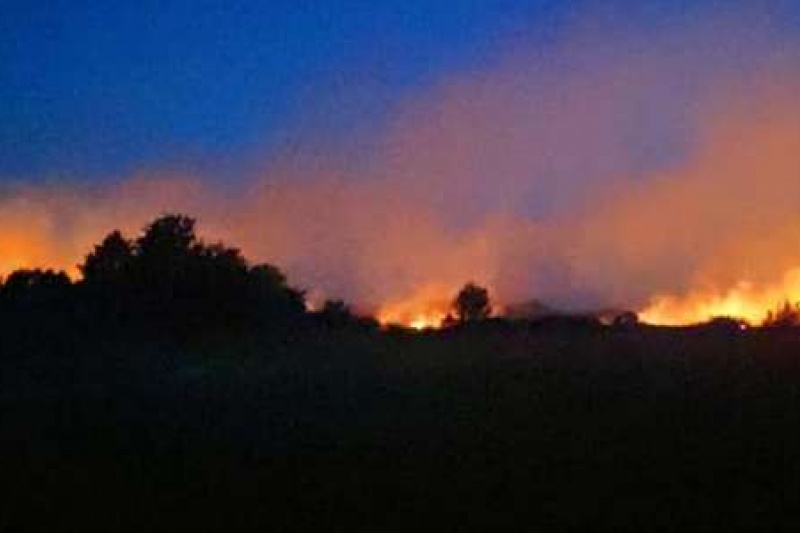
110,262
168,235
472,303
165,253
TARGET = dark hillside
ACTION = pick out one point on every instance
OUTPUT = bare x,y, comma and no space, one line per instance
177,385
650,428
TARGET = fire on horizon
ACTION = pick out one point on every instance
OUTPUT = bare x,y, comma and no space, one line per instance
643,159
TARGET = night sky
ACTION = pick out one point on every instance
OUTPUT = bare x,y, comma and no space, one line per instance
95,89
588,154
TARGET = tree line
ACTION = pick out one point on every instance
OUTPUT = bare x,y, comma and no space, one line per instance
169,278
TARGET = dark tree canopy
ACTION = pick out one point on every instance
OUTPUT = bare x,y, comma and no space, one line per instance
170,278
34,279
267,287
168,236
34,288
472,304
164,253
267,278
335,313
110,262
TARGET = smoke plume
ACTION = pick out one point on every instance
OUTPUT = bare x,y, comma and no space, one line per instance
656,169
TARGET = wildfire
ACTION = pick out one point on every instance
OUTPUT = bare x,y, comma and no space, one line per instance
16,251
746,300
425,309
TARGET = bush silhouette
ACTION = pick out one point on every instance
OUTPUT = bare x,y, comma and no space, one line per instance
335,314
35,289
626,319
472,304
110,263
786,315
271,296
170,278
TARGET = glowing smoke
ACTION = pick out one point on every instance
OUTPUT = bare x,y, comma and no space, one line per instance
658,171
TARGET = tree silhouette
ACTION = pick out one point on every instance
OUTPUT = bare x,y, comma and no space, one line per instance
170,235
786,315
270,296
336,314
110,262
267,278
35,288
191,284
472,304
166,281
164,252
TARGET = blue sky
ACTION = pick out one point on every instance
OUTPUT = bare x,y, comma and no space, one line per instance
90,89
93,89
548,146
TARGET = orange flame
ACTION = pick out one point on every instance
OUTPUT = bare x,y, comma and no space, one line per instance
746,300
426,308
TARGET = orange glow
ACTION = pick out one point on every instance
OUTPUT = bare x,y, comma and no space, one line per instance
509,174
745,300
19,251
425,309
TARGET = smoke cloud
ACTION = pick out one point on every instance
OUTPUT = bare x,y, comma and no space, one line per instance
655,169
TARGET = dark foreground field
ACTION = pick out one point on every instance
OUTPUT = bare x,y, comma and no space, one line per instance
640,429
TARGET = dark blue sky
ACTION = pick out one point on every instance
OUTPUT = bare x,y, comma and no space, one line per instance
92,88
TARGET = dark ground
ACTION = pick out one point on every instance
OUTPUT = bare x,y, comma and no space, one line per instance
637,429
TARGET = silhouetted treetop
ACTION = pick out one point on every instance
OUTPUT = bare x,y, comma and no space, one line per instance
167,236
267,284
472,303
35,278
110,262
34,287
335,314
170,278
221,256
267,276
